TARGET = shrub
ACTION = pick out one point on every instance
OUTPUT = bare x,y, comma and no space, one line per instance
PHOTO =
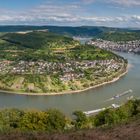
81,120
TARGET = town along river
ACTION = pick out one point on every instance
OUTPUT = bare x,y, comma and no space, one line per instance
85,101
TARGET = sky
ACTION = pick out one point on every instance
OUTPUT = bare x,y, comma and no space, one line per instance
111,13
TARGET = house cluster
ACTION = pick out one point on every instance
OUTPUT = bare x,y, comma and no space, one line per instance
5,66
67,71
129,46
98,67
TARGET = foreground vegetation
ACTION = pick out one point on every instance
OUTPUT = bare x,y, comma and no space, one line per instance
55,121
124,131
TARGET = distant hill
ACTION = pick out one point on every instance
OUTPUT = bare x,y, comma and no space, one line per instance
83,31
37,39
119,36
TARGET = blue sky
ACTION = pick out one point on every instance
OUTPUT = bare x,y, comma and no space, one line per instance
115,13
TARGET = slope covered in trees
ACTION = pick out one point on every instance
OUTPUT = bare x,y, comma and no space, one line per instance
119,36
38,40
12,120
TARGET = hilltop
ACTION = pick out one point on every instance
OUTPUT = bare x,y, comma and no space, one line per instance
83,31
37,39
32,45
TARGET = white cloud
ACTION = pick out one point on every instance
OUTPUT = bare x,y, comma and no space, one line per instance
136,17
127,2
119,2
70,14
88,1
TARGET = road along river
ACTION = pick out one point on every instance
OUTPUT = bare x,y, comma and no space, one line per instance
88,100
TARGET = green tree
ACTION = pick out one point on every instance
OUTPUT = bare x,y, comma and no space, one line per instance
55,120
33,121
81,120
10,118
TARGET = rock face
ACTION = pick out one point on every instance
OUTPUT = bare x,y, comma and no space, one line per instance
129,46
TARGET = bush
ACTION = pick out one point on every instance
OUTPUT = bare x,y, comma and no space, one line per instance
33,121
55,120
81,120
10,119
13,119
124,113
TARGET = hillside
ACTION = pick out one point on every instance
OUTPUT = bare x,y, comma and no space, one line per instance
36,45
118,41
128,131
115,124
119,36
37,40
83,31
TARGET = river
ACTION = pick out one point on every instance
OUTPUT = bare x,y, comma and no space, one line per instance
88,100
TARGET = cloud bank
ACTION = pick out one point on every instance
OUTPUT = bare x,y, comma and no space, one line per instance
69,14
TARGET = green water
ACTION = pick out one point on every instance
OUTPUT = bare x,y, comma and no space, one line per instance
89,100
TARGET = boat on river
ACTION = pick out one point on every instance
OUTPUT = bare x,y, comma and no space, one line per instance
92,112
120,95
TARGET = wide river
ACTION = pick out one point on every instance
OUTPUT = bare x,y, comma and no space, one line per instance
89,100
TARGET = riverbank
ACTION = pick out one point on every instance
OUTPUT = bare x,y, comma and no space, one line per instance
68,92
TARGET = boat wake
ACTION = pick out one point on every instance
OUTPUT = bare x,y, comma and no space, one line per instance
120,95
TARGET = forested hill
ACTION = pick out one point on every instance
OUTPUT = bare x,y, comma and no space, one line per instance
36,39
119,36
84,31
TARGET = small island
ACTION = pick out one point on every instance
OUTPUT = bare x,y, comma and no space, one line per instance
45,63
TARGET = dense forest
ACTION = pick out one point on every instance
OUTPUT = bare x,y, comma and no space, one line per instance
119,36
33,45
37,40
42,45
